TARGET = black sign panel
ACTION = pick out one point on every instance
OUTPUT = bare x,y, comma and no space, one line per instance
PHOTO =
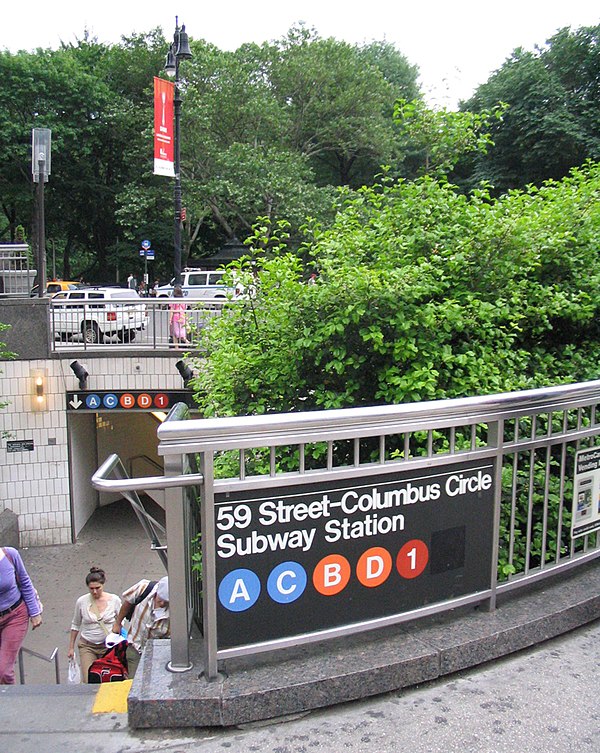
324,555
19,445
127,400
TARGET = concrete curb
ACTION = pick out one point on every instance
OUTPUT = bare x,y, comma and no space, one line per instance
296,680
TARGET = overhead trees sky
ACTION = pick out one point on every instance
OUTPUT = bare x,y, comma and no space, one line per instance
268,130
552,122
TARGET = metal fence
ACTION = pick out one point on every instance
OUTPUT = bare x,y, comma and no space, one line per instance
16,277
143,324
509,464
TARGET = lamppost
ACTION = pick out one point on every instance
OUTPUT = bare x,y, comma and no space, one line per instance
40,169
179,50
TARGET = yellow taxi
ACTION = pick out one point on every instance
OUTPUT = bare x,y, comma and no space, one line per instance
57,286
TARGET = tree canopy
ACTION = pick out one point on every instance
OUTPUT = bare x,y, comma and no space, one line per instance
267,130
271,130
552,122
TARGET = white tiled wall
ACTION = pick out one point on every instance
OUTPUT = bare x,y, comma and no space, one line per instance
35,484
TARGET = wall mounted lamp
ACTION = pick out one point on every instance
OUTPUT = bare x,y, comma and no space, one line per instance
81,374
39,400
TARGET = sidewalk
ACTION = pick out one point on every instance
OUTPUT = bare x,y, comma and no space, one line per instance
542,699
114,540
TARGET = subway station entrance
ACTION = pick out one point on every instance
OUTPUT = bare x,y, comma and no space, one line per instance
114,421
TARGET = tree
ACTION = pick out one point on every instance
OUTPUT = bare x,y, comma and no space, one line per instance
338,102
434,140
270,128
267,130
553,116
423,293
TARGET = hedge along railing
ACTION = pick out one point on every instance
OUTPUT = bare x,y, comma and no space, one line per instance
481,494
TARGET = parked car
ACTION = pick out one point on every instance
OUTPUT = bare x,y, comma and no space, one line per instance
94,313
198,285
57,286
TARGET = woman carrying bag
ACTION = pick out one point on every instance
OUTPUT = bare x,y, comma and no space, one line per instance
95,614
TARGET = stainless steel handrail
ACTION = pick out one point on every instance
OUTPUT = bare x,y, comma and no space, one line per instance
235,432
52,658
518,429
104,484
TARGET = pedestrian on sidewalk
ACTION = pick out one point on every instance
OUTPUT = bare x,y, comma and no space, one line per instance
146,606
19,605
94,616
178,319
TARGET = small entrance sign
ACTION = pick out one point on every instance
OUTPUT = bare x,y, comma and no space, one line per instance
19,445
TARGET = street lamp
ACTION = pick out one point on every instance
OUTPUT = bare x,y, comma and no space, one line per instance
179,50
41,168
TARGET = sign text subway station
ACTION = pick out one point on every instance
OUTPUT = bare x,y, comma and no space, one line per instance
131,400
323,555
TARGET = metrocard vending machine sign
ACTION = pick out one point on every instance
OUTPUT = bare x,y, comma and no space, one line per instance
586,493
323,555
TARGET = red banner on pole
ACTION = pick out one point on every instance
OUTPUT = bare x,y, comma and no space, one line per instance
164,150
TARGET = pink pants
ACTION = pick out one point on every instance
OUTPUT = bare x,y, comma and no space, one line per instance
13,628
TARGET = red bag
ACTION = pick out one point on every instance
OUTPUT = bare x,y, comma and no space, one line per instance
112,667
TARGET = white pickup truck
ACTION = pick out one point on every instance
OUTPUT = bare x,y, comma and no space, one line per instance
95,313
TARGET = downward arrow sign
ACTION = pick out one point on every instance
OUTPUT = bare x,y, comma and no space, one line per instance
75,402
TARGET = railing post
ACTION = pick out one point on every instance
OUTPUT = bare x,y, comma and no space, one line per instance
177,550
496,439
209,581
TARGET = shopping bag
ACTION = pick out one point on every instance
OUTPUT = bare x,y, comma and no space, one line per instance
74,671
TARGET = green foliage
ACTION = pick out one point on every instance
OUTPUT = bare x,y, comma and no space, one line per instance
5,355
267,130
423,293
552,122
435,139
89,95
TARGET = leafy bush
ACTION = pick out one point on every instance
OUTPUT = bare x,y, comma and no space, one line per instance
422,294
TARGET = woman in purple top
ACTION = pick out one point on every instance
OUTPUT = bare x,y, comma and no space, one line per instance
18,605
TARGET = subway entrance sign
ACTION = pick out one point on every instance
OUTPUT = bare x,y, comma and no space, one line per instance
316,556
127,400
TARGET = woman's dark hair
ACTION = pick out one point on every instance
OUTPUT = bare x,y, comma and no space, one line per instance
95,575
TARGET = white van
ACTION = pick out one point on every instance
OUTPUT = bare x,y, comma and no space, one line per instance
198,285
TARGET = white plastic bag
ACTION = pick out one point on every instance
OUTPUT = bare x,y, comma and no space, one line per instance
74,671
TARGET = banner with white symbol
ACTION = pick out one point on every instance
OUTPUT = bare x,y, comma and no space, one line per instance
164,152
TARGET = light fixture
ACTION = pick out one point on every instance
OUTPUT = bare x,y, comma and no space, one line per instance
179,50
39,400
81,374
186,373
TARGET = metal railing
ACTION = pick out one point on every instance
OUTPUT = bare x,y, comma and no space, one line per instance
16,276
517,449
101,325
144,460
52,659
